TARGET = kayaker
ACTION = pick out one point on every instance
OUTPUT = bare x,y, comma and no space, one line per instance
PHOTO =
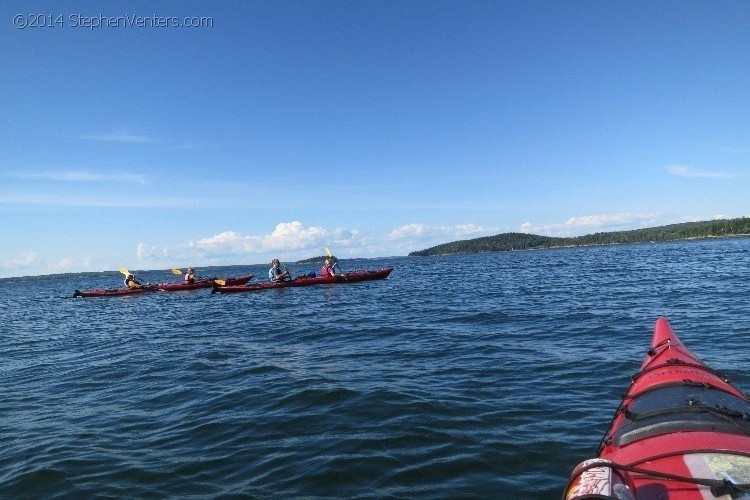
327,269
190,276
132,282
276,274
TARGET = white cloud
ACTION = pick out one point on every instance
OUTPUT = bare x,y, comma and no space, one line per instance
150,252
290,240
64,264
286,236
98,200
417,231
21,261
81,176
294,235
593,223
145,252
68,264
118,137
294,240
222,239
685,171
554,229
417,236
408,231
609,220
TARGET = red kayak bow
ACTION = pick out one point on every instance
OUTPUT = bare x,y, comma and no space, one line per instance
682,432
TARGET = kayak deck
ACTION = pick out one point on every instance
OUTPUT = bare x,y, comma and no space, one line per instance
681,432
350,277
204,283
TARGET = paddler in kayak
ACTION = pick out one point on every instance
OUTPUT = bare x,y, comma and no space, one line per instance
190,276
276,274
132,282
328,270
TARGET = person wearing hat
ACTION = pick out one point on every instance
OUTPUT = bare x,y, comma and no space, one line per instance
327,269
190,276
276,274
132,282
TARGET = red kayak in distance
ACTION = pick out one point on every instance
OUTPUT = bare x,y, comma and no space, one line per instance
350,277
114,292
681,432
162,287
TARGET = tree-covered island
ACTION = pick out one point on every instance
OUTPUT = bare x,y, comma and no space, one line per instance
522,241
316,260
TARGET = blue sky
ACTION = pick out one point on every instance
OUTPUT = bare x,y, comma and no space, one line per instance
374,128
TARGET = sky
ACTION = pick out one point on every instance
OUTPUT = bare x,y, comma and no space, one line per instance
161,134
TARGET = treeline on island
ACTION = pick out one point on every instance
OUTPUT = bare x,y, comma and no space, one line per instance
316,260
522,241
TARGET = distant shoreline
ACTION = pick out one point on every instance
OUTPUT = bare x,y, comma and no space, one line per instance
508,242
590,245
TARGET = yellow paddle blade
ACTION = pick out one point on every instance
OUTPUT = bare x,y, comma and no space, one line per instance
220,282
124,271
176,271
328,251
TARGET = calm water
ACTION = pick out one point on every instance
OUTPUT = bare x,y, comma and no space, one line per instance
487,376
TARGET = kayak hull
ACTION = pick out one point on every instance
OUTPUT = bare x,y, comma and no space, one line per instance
113,292
205,283
682,432
161,287
351,277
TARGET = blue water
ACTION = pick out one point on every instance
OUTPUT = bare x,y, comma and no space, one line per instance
484,376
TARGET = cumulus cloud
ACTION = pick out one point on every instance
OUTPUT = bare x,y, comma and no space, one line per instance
295,240
290,240
293,235
685,171
286,236
408,231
